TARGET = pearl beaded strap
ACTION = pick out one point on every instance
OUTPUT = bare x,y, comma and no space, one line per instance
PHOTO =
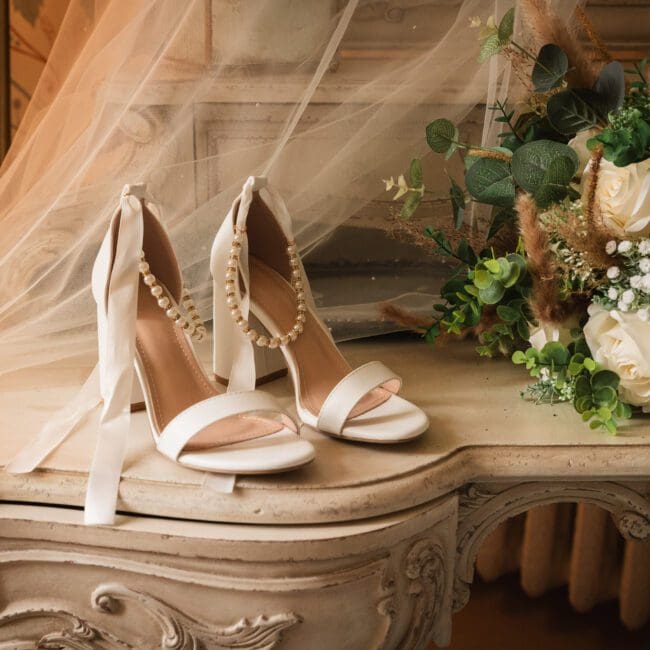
233,302
193,324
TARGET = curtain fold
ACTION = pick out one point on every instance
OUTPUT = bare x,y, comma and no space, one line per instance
326,96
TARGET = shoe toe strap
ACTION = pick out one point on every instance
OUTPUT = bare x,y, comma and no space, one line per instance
188,423
350,390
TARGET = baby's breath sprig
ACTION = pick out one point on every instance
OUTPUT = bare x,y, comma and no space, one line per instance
626,286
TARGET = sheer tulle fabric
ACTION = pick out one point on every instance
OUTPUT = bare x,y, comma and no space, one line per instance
127,87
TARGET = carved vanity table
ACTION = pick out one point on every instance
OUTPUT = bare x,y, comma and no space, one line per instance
366,548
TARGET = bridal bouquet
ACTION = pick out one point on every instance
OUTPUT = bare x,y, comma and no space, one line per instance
562,283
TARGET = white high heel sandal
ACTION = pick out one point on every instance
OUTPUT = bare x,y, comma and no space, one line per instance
269,321
140,299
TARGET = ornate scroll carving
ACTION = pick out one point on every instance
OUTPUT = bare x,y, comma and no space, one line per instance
425,568
483,507
179,631
75,633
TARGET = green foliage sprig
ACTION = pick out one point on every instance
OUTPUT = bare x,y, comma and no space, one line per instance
483,281
626,139
568,373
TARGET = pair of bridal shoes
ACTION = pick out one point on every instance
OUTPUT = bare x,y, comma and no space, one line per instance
264,322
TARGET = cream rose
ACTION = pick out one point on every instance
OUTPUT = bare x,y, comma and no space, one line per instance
623,194
579,145
621,342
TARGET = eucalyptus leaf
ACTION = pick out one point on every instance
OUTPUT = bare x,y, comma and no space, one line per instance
415,173
466,253
556,353
531,162
574,110
490,181
507,314
604,413
457,197
492,266
550,68
504,268
523,330
582,403
512,277
555,185
589,364
606,396
506,26
583,386
604,378
492,295
411,204
482,279
489,47
610,86
515,258
441,135
518,357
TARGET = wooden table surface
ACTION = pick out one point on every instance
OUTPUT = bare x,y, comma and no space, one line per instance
481,429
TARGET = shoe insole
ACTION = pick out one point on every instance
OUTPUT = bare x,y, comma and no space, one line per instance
320,365
175,380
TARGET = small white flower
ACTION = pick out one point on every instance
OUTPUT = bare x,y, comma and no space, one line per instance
544,374
491,22
644,314
625,246
390,183
644,247
636,281
613,272
403,187
645,283
475,21
610,248
612,293
623,306
644,265
628,297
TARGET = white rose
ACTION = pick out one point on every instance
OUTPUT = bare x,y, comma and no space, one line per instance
644,265
547,332
625,246
636,282
621,343
613,272
612,293
610,247
644,247
623,194
579,145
